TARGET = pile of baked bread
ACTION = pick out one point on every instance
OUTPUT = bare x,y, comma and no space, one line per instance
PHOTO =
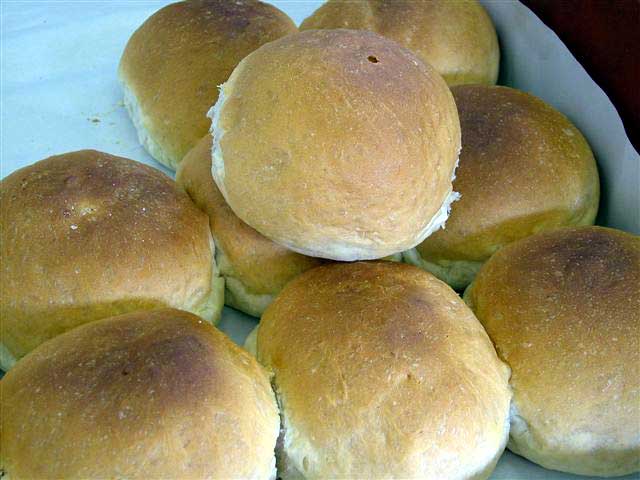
342,182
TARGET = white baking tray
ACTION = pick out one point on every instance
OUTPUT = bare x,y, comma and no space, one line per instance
59,93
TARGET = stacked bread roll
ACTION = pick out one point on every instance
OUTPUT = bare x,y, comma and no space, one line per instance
305,161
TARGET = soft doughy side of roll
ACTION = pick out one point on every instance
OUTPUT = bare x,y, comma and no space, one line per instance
251,342
456,274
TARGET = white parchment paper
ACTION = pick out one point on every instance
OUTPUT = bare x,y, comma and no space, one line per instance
59,93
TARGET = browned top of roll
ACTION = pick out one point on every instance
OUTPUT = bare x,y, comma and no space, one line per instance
263,266
336,143
175,61
563,309
382,371
87,235
456,37
524,168
158,394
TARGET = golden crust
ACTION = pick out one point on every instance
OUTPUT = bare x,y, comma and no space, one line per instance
175,61
156,394
563,309
336,143
264,267
456,37
87,235
382,371
524,168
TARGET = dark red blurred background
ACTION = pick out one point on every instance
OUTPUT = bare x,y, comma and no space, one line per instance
604,36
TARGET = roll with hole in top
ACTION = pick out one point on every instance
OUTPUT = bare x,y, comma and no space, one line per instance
457,37
337,144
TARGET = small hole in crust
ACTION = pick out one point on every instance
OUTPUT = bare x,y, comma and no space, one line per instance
372,59
125,372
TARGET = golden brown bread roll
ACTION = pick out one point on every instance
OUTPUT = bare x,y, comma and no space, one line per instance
336,144
157,394
524,168
457,37
172,65
563,309
87,235
255,269
381,371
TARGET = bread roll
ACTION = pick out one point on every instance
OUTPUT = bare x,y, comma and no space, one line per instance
336,144
381,371
524,168
87,235
157,394
563,309
173,64
255,269
457,37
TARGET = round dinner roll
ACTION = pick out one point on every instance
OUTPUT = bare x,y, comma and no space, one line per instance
172,65
524,168
563,310
159,394
381,371
87,235
337,144
457,37
255,269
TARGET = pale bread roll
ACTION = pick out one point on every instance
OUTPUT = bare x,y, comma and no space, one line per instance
337,144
